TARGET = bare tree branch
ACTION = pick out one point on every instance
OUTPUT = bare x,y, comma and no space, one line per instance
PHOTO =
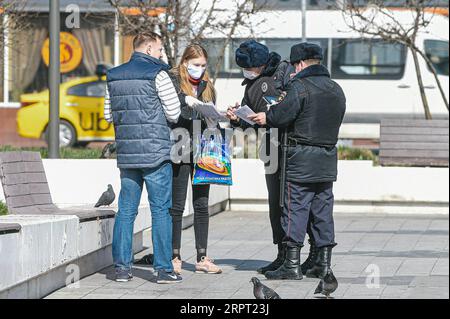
379,21
182,22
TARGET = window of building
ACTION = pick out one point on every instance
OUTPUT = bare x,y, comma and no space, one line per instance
367,59
437,52
29,72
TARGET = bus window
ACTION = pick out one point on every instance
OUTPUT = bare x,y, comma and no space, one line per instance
228,67
437,52
283,46
368,59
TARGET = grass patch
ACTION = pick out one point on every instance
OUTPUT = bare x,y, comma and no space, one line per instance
66,153
3,209
345,153
356,154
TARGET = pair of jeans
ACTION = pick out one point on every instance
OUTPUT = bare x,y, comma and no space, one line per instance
158,182
200,194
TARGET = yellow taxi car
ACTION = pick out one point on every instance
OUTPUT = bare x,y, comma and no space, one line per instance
81,112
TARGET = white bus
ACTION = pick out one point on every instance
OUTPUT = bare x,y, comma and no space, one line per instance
378,78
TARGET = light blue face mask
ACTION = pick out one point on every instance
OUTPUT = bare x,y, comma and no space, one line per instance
196,72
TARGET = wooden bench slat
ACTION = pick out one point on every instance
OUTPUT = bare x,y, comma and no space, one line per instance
23,167
10,157
414,153
24,211
13,157
415,138
415,123
19,201
414,146
88,215
25,178
41,199
16,190
29,200
414,131
394,161
26,189
31,157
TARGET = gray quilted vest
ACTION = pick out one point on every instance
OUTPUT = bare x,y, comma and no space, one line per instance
141,128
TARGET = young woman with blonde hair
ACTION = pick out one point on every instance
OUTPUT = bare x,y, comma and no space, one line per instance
192,82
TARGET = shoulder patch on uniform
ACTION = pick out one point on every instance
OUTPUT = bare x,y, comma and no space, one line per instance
264,87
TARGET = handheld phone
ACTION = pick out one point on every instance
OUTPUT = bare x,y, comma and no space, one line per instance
270,100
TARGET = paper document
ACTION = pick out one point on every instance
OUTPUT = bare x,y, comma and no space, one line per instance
209,110
243,113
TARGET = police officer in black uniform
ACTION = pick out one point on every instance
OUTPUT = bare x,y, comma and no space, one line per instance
312,112
266,75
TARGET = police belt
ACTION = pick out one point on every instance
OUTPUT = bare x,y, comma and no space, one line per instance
292,142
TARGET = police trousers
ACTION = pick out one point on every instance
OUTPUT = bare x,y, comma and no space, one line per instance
311,204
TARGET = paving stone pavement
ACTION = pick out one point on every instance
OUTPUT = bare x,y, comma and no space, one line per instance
378,256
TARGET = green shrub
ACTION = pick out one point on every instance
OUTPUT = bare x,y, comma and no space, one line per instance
66,153
345,153
356,154
3,209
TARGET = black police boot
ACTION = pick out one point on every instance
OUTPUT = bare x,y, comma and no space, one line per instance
290,269
311,260
322,265
277,263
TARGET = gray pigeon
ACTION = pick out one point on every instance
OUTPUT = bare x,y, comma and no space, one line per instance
263,292
146,260
108,150
327,285
107,197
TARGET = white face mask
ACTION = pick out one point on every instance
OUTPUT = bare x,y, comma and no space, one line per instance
250,75
196,72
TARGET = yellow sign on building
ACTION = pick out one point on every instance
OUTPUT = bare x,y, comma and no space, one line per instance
71,52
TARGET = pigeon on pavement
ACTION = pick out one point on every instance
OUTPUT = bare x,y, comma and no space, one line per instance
263,292
146,260
327,285
107,197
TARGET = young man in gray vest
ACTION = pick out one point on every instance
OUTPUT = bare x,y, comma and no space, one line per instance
141,101
312,111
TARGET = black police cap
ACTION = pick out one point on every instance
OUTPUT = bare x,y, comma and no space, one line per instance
306,51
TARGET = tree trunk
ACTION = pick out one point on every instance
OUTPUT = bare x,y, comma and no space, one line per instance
421,86
220,61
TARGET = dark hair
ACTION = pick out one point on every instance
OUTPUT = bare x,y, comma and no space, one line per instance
144,38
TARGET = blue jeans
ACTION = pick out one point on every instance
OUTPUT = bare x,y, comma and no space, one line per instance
158,182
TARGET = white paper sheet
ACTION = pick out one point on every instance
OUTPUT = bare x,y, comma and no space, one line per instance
209,110
243,113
